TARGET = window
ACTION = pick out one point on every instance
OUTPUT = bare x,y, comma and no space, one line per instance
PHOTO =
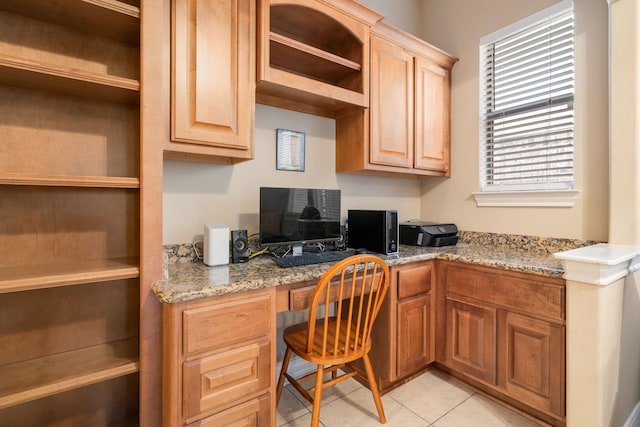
526,104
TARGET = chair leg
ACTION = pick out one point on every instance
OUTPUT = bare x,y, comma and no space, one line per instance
283,370
374,388
317,397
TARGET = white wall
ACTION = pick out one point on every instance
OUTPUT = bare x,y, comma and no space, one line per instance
457,26
404,14
196,193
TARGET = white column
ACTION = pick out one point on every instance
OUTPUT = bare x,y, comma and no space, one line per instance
624,122
595,285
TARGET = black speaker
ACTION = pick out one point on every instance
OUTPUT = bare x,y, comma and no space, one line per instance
341,245
239,246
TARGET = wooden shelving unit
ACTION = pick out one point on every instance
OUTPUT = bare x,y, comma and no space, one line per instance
69,181
293,55
313,56
31,74
70,240
41,377
112,19
25,278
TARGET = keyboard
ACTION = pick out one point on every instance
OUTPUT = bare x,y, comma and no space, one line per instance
312,258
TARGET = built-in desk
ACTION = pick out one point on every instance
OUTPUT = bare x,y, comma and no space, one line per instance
190,281
219,326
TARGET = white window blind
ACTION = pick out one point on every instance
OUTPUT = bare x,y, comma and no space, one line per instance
526,102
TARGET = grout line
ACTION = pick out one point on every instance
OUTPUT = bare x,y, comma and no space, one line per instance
455,407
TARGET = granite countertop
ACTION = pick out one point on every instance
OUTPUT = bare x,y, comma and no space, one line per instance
192,280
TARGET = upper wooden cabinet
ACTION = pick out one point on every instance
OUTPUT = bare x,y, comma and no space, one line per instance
406,129
313,55
212,80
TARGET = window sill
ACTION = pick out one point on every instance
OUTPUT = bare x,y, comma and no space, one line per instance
545,198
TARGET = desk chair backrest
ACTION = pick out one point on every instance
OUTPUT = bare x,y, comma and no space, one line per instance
362,282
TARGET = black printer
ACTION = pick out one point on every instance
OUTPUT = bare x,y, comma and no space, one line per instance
419,233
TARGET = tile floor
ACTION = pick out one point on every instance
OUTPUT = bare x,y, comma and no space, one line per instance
432,400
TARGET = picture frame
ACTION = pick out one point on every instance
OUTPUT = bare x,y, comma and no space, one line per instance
290,150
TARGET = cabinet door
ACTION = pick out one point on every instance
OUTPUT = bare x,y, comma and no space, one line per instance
213,70
432,143
471,339
391,106
414,326
531,356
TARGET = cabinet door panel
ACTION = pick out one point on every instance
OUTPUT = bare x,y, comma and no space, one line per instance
414,326
213,70
471,339
533,369
432,116
391,104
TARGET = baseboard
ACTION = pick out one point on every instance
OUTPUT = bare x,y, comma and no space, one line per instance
634,418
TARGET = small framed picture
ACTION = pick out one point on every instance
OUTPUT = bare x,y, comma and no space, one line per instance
290,150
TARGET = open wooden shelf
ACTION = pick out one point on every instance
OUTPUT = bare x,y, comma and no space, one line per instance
300,58
29,277
8,178
107,18
33,379
22,72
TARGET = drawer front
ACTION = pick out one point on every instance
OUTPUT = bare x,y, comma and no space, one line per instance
254,413
414,280
227,323
526,294
217,382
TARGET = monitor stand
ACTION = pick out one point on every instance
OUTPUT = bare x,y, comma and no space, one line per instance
296,250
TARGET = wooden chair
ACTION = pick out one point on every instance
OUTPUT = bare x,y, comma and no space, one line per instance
333,340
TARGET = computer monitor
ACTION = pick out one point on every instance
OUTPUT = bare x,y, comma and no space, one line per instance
298,216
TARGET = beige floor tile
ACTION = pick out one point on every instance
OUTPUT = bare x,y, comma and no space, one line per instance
479,411
432,395
289,408
357,409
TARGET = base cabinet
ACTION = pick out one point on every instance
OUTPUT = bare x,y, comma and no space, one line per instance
218,371
403,334
505,332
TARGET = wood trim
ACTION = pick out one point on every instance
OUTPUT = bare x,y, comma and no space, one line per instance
154,129
7,178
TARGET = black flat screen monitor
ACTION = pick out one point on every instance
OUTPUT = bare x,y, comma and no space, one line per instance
298,216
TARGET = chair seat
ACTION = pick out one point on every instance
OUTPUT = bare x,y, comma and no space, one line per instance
295,337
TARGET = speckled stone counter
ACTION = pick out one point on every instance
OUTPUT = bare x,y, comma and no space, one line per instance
187,279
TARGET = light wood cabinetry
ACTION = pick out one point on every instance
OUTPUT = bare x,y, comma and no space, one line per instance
471,339
313,55
406,128
506,332
70,181
212,80
219,368
403,336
